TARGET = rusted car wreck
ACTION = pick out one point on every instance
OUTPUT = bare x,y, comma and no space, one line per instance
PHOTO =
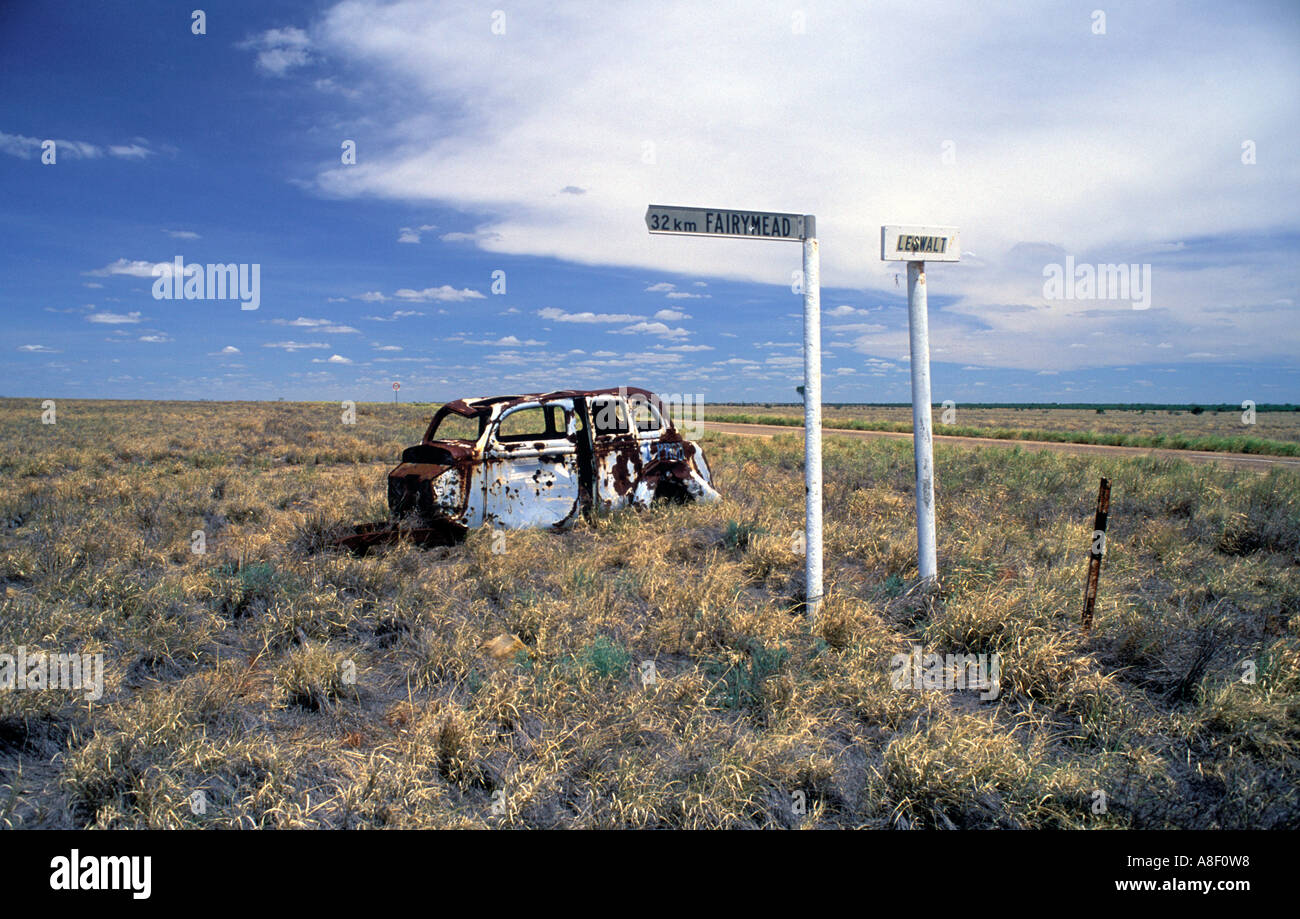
538,460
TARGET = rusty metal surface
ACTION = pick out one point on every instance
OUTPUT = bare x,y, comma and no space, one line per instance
1097,551
592,456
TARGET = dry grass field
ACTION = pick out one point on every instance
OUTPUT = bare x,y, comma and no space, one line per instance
295,686
1272,432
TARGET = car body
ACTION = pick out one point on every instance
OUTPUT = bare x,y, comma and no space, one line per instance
544,459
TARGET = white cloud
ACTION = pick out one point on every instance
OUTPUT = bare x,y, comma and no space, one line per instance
133,269
182,234
332,359
651,328
316,325
294,345
671,315
509,341
412,234
1039,154
129,151
394,316
559,315
478,236
279,50
26,148
156,339
106,318
445,293
37,349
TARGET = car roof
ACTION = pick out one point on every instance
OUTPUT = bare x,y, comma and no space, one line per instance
474,405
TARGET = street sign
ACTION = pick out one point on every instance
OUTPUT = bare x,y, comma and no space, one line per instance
920,244
916,246
396,386
706,221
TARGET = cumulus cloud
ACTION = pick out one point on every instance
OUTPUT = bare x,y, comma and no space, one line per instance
279,50
294,345
107,318
445,293
412,234
671,315
316,325
1133,158
394,315
507,341
558,315
651,328
136,268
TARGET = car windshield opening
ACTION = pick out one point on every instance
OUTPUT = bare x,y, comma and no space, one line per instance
458,427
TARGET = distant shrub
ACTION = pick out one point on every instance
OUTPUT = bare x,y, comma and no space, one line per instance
741,685
242,587
739,535
604,658
314,678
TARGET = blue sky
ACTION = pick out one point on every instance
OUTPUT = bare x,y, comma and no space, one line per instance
529,143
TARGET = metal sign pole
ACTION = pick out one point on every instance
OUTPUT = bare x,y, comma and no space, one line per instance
922,441
812,417
916,246
703,221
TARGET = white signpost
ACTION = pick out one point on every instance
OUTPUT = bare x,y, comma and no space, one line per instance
703,221
916,246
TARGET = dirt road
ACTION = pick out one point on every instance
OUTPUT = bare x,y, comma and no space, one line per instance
1233,460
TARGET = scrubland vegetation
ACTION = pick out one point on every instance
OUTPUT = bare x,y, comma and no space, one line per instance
296,686
1218,429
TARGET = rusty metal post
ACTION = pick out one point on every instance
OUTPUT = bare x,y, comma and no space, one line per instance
812,416
1098,550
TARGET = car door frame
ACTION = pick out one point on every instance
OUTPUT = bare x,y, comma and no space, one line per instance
521,478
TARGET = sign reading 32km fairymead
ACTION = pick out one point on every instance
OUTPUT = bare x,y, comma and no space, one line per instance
716,221
704,221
